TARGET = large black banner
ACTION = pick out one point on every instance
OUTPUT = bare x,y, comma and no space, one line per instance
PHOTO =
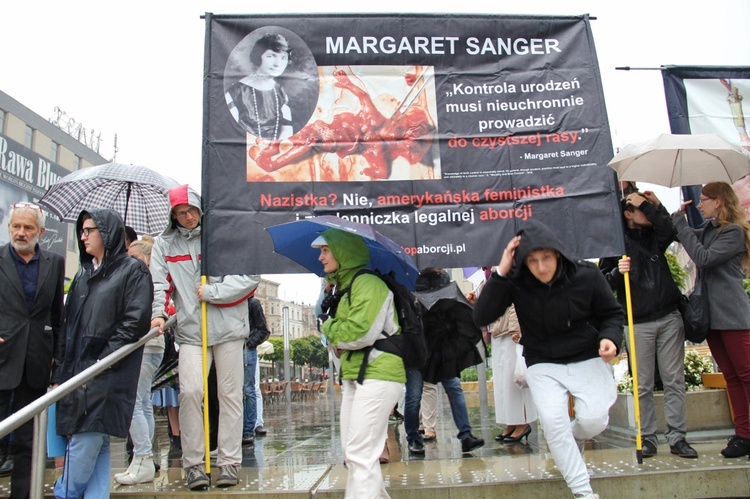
708,99
444,132
24,177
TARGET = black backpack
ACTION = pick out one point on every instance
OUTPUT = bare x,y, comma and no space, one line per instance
410,345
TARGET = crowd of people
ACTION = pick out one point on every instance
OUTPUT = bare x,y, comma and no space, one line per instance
555,323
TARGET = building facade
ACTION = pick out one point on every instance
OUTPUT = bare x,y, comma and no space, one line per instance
34,153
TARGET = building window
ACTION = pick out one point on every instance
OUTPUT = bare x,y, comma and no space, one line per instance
28,137
53,151
76,162
2,121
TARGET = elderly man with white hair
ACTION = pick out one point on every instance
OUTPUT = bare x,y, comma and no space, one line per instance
31,343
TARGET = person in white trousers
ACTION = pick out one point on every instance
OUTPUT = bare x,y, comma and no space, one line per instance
572,328
361,315
514,406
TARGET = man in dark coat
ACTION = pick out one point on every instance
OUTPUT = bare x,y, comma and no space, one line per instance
658,328
30,334
451,337
258,334
572,328
108,306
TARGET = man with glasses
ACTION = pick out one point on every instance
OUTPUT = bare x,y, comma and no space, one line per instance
31,342
108,307
176,271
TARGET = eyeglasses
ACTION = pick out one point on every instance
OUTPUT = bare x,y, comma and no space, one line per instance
704,198
182,214
31,206
87,230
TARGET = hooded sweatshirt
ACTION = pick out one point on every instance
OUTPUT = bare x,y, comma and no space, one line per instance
107,308
364,313
562,321
176,271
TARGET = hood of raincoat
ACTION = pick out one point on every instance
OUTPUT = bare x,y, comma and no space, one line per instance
350,252
111,228
182,194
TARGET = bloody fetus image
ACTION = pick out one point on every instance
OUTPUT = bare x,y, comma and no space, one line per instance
365,139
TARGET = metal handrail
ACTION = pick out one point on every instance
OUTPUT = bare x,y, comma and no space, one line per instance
36,409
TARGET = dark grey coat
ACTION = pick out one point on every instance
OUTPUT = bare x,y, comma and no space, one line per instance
32,339
718,256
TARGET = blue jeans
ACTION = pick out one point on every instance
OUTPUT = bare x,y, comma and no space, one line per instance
413,400
142,424
250,414
87,467
258,397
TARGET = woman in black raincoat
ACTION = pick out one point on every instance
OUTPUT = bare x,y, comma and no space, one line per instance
108,306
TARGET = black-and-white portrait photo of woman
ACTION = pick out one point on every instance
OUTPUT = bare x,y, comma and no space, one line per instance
271,83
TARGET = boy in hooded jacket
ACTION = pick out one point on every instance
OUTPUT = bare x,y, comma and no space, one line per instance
572,328
364,314
108,306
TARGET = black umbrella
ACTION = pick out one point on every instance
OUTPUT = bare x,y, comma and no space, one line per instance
450,332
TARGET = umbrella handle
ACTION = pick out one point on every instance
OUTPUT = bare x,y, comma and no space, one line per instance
127,202
634,367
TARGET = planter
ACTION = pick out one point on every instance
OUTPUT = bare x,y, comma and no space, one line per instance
471,393
706,410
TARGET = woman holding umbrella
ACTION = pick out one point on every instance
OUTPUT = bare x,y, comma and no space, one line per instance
721,251
365,311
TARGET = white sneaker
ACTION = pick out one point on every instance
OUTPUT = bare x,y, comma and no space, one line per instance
590,495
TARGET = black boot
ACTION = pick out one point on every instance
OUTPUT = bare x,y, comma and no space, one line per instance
737,447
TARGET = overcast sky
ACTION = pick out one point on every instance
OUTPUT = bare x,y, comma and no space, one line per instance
135,68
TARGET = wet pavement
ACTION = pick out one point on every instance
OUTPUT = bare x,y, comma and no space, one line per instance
301,455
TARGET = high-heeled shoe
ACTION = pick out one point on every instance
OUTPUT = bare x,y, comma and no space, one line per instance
508,432
520,437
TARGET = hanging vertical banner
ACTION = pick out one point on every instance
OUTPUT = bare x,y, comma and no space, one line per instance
444,132
709,99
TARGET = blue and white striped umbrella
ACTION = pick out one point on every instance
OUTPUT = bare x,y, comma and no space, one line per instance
138,194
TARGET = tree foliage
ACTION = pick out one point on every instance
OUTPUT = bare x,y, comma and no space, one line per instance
309,350
278,350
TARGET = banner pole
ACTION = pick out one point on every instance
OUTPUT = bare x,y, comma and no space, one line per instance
634,368
628,68
204,343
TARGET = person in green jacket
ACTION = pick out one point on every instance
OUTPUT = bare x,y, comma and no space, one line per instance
364,314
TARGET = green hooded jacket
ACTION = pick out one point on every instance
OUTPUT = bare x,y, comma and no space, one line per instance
363,314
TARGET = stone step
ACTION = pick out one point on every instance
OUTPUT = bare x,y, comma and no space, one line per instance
523,472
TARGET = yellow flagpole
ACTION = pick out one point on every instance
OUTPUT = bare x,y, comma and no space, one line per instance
204,343
634,368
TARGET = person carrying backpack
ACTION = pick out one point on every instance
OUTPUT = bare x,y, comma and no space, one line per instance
364,314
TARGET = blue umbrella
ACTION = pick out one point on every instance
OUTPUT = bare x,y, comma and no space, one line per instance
293,240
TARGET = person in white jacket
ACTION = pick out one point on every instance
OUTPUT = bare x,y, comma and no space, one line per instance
176,271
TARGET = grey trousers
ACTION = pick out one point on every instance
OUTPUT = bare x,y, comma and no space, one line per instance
661,342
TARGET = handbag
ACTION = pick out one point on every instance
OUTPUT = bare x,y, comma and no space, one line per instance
519,373
695,314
